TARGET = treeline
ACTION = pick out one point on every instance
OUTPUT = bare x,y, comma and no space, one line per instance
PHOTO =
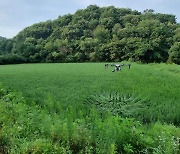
97,34
2,38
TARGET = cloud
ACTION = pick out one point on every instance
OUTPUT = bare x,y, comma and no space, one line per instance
15,16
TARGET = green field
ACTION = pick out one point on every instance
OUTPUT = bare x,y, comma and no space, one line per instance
73,83
85,108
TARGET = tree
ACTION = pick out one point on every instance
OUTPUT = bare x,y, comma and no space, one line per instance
97,34
174,55
101,34
148,11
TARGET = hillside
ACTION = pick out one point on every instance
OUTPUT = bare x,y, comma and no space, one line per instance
97,34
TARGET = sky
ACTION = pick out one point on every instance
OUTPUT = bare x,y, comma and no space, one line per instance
15,15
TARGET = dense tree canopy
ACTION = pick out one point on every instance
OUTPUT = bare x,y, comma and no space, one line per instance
97,34
2,38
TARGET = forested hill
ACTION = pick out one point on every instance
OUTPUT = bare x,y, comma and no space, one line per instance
97,34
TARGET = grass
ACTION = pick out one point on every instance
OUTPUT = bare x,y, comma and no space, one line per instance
158,84
30,128
85,108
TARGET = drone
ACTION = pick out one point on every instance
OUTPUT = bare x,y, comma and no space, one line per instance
117,67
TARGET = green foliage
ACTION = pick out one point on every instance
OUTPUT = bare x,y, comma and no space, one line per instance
123,105
5,46
101,34
2,38
29,128
12,59
98,34
143,89
175,53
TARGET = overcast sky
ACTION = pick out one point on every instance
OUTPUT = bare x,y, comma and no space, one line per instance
15,15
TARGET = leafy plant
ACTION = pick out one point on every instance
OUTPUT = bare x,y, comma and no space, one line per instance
124,105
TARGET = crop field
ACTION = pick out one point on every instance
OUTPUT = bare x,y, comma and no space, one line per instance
155,84
88,91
